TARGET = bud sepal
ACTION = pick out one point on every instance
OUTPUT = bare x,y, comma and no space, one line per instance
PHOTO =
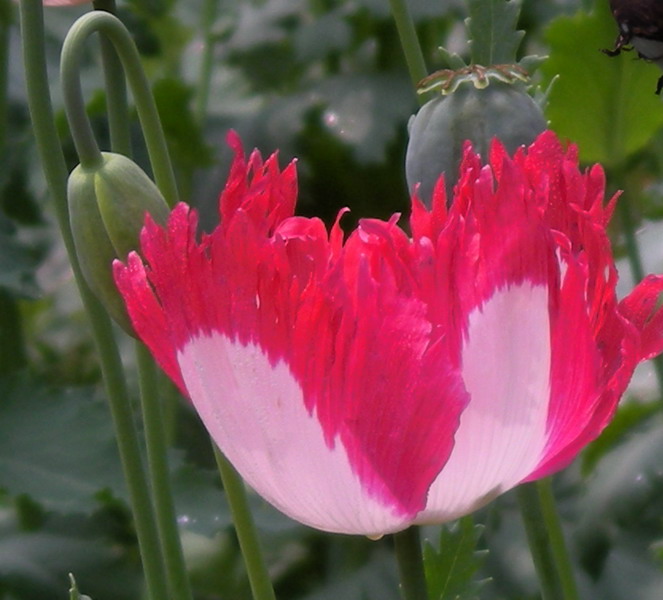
107,208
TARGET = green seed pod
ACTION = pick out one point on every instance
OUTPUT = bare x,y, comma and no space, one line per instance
107,207
440,128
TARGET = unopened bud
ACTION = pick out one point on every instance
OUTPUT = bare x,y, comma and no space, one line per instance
107,207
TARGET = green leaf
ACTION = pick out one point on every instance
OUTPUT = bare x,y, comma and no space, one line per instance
450,570
56,445
35,564
492,30
605,105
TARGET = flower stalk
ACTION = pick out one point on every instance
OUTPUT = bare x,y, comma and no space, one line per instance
546,541
407,545
116,89
261,586
157,447
414,57
155,437
560,552
50,151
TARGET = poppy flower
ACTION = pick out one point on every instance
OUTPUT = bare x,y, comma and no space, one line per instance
366,384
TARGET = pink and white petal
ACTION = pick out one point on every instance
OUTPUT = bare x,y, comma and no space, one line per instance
579,409
147,315
506,370
255,410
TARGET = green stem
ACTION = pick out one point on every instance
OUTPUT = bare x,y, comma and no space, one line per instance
410,564
155,440
159,476
546,543
408,36
55,171
130,455
115,85
560,553
233,486
210,9
111,27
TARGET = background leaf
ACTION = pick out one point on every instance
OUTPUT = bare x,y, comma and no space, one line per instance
44,432
605,105
34,565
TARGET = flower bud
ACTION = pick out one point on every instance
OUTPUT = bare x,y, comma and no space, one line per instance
107,207
442,125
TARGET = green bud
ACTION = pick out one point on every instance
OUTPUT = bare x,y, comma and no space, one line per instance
440,128
107,207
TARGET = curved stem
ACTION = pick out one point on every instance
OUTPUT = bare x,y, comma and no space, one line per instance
41,113
130,454
546,543
79,124
411,564
116,90
114,30
261,586
406,32
155,439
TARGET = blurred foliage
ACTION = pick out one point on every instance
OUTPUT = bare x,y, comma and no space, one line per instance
323,81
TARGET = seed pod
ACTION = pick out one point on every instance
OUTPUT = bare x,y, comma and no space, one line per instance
442,125
107,207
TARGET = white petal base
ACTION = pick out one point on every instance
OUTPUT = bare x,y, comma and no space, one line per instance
255,412
502,433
